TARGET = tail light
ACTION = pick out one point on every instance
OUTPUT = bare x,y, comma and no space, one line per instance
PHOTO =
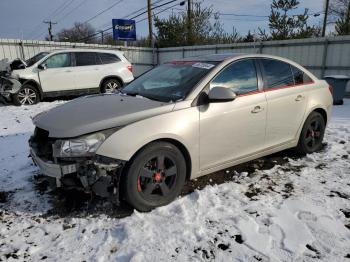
330,89
130,68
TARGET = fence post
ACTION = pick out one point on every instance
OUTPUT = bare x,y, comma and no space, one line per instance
21,50
183,52
324,57
261,46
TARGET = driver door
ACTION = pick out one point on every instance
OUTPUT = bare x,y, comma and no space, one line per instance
235,129
58,73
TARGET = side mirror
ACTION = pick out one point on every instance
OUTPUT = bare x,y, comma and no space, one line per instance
221,94
42,66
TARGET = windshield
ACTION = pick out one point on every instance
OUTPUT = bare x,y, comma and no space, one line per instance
169,82
36,58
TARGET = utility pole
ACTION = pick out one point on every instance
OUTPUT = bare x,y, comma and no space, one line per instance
50,28
150,28
325,19
101,36
189,22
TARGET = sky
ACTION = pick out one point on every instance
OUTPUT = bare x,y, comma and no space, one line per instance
23,19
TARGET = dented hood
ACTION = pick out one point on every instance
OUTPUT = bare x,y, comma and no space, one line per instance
94,113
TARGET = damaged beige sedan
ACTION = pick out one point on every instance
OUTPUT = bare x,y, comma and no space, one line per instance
179,121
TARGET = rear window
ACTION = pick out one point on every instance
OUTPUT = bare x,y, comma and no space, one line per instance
85,58
276,74
107,58
300,77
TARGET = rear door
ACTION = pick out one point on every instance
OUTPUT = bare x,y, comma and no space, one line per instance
232,130
58,75
286,101
87,70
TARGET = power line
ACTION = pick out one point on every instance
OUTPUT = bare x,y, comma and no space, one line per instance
103,11
109,28
51,14
130,14
58,10
70,12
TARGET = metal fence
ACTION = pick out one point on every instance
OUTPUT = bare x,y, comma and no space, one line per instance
141,58
322,56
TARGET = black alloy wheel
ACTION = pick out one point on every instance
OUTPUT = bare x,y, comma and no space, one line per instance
312,134
155,177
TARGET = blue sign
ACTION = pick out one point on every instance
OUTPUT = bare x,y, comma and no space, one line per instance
124,29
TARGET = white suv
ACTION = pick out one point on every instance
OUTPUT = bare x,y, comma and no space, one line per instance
65,72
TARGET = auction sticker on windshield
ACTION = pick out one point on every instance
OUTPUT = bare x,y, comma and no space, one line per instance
203,65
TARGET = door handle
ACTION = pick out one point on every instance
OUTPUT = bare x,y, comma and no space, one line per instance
68,71
299,98
257,109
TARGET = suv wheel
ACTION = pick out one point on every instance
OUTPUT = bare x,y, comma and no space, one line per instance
311,136
111,86
27,95
155,177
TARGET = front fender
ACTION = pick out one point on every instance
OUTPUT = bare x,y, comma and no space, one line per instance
181,125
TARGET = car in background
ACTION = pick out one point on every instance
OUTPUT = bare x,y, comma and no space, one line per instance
65,72
179,121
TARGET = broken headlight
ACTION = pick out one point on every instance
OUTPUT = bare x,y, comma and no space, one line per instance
82,146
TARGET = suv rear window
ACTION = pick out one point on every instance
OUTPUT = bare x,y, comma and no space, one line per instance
276,73
107,58
85,58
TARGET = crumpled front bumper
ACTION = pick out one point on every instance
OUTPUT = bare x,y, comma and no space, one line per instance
98,174
9,86
50,169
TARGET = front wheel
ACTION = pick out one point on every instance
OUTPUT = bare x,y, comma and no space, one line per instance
311,136
155,176
27,95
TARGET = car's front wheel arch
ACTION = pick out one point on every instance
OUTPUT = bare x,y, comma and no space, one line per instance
183,149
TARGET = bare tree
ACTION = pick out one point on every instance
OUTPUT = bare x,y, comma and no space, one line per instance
79,32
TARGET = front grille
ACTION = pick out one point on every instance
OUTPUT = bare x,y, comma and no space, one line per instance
42,143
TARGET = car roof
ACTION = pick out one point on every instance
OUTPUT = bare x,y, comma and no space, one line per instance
87,50
212,57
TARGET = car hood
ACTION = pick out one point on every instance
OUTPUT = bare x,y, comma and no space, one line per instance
98,112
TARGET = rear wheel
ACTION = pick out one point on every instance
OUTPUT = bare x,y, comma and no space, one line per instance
27,95
311,136
155,176
111,86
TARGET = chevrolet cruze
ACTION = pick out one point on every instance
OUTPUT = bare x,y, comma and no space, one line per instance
179,121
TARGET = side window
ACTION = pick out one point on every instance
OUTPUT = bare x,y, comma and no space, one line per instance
300,77
240,77
85,58
276,73
59,60
106,58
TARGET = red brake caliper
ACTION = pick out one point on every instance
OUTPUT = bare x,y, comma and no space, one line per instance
138,185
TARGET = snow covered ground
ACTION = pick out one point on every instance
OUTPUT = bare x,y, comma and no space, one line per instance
297,210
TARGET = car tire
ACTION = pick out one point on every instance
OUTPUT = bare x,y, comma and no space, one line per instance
312,134
155,176
111,85
27,95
